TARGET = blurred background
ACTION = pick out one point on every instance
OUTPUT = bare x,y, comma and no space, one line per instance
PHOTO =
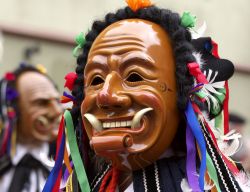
44,31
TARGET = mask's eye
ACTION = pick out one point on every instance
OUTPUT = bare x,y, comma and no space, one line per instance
97,81
134,77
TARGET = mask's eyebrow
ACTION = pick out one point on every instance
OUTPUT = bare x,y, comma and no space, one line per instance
99,62
138,58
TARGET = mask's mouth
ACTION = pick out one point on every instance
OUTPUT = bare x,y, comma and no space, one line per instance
120,141
43,124
102,125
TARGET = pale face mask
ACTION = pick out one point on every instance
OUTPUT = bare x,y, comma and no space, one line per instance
39,108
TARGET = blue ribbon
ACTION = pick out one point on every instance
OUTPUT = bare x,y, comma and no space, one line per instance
196,129
56,169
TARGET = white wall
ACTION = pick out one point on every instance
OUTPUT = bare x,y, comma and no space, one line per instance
56,58
227,20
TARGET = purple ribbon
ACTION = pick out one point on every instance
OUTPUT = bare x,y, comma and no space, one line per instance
192,175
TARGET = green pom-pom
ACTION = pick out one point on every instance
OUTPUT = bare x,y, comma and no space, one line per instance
80,40
188,20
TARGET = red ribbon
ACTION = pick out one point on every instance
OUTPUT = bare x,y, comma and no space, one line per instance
194,69
215,49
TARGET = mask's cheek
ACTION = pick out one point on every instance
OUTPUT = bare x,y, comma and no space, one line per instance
88,106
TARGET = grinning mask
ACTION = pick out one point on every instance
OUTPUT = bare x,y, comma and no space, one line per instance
130,106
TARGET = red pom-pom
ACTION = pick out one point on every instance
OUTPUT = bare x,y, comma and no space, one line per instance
10,76
11,113
70,80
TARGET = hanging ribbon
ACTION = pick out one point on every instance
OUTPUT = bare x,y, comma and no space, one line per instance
52,181
212,172
229,163
77,161
194,69
192,175
195,127
225,110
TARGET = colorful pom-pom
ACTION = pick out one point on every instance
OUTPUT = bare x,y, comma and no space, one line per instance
11,113
11,94
138,4
70,80
65,99
188,20
41,68
10,76
80,41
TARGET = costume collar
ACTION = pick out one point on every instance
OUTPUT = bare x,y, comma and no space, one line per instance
38,152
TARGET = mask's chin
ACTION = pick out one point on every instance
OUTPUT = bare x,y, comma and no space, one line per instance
119,139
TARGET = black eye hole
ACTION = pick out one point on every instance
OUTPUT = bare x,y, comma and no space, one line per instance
97,81
134,77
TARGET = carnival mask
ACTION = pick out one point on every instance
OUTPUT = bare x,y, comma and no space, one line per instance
130,106
39,108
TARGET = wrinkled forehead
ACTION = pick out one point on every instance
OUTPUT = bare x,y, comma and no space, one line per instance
33,85
134,31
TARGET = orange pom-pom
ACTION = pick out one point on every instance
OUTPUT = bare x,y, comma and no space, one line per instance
138,4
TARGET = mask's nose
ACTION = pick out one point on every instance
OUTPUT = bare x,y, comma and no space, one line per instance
112,96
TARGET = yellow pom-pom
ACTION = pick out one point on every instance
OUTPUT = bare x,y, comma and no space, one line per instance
41,68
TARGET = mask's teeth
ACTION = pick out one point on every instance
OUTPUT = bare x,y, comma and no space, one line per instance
116,124
123,123
128,123
96,124
138,116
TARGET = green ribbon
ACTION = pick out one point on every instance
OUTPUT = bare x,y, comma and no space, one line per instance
80,41
220,98
219,122
77,160
188,20
200,94
212,172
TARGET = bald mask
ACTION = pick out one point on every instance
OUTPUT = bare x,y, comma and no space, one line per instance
39,107
130,106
